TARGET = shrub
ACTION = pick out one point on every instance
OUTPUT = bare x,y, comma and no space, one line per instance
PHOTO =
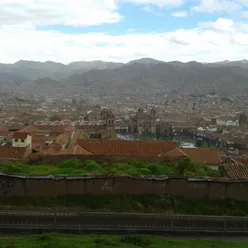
70,163
106,241
136,240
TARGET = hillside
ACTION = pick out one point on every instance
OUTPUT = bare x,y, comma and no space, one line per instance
146,75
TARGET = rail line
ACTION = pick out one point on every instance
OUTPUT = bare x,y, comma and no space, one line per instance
117,222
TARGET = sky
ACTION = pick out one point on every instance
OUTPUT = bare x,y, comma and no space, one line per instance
123,30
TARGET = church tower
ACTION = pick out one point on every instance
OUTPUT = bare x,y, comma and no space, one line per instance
153,117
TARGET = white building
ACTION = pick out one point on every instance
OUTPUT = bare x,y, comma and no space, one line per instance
21,139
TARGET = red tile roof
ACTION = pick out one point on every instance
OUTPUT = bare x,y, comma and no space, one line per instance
13,153
5,133
174,154
208,156
126,148
28,129
20,135
74,150
236,168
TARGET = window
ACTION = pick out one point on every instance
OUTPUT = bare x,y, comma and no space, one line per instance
22,140
16,140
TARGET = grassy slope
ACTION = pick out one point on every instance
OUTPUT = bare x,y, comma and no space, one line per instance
70,241
75,167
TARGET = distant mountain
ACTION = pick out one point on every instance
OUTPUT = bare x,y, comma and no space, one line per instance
146,61
144,75
26,71
240,63
185,77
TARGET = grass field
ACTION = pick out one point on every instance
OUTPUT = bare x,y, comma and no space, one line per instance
70,241
74,167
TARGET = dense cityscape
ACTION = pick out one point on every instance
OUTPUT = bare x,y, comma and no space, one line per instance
123,124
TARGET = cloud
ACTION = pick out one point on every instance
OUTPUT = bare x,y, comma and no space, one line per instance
244,14
21,37
150,9
211,6
221,24
203,43
58,12
179,14
69,12
158,3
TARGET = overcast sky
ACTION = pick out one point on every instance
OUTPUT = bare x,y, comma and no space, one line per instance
123,30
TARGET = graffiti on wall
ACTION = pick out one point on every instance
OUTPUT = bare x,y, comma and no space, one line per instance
106,187
6,185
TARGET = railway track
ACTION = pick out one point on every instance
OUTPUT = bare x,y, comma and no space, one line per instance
117,222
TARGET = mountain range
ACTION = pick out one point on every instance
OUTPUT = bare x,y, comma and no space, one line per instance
145,75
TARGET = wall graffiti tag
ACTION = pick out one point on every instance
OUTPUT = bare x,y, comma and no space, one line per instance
6,185
106,187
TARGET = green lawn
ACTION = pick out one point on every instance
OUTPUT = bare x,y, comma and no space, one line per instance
91,241
74,167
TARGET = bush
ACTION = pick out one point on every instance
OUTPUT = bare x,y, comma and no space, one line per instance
70,163
92,166
106,241
12,169
136,240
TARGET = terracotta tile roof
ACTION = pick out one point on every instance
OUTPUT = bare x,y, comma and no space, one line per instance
4,128
29,129
236,168
175,154
54,129
20,135
5,133
75,150
126,148
62,139
16,127
10,152
51,150
209,156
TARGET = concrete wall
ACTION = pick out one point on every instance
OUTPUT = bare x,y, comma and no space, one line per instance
191,189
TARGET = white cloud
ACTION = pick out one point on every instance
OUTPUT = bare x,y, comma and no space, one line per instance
179,14
244,14
222,24
20,38
58,12
69,12
151,9
159,3
203,43
211,6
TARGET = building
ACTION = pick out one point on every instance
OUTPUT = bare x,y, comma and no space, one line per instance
144,122
21,139
18,149
108,118
148,122
243,120
227,121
